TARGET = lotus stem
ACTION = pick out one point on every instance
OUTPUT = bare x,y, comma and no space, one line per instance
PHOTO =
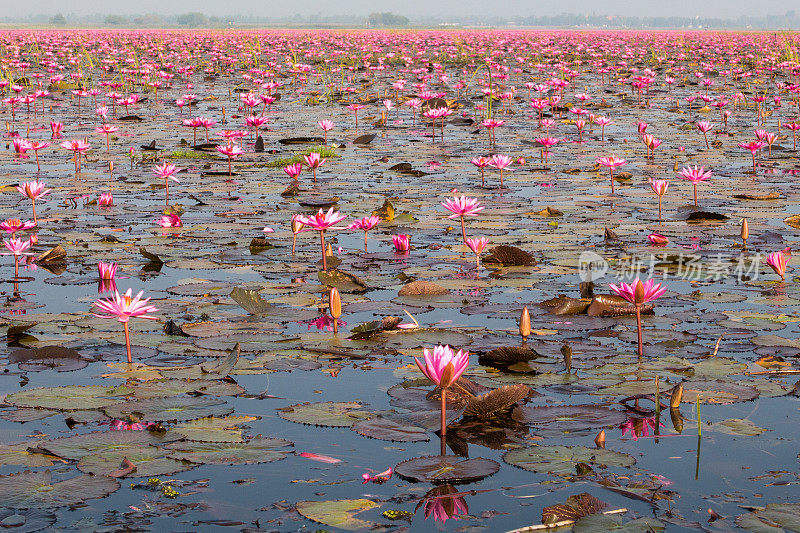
128,343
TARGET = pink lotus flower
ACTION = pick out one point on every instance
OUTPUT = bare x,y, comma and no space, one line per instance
638,427
777,261
657,239
16,247
294,170
107,130
21,145
123,308
463,207
480,162
106,271
365,224
501,162
56,128
13,225
377,478
171,221
695,175
402,243
753,147
106,199
321,222
612,162
231,151
660,188
442,365
79,146
35,190
477,246
705,126
325,126
639,293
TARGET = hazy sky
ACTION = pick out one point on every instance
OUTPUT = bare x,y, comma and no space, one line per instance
411,8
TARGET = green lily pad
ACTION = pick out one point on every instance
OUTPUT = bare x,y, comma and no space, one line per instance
738,426
26,521
78,446
178,408
18,454
607,522
569,418
717,392
213,429
330,414
256,450
149,460
70,397
37,490
774,518
446,469
337,513
393,430
561,460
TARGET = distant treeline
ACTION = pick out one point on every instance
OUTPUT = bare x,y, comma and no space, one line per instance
789,20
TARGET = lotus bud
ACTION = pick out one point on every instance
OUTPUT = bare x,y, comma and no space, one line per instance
600,439
329,250
639,293
336,308
335,303
525,323
111,167
566,351
745,233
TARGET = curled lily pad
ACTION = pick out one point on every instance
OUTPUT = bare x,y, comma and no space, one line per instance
383,428
337,513
343,281
255,450
446,469
331,414
148,460
37,490
562,460
495,402
173,408
576,506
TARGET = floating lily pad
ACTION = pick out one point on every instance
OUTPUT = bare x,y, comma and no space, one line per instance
717,392
79,446
774,518
256,450
569,418
48,358
446,469
344,281
37,490
148,460
70,397
331,414
738,426
495,402
388,429
337,513
608,522
211,429
19,454
26,521
173,408
562,460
